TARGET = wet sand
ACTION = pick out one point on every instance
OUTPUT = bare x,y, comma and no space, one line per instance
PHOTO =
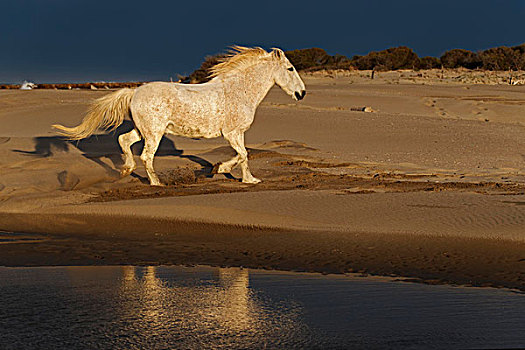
430,186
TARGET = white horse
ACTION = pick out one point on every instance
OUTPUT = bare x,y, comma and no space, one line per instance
223,106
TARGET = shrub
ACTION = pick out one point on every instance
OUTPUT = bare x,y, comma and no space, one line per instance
390,59
461,58
520,50
339,62
501,58
429,62
308,58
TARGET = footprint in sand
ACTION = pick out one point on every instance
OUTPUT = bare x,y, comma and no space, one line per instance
441,111
430,102
4,140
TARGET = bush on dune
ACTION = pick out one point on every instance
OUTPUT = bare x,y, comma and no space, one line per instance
429,62
308,58
457,58
316,59
496,58
390,59
501,58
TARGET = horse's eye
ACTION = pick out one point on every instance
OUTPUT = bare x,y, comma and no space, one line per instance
290,69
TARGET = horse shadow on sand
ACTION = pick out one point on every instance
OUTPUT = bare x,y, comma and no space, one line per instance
96,147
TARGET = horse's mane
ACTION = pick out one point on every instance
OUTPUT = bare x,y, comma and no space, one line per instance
237,58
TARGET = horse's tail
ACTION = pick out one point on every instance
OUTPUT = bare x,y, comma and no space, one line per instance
106,112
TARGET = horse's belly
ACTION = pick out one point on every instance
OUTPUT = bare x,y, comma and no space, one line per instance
192,131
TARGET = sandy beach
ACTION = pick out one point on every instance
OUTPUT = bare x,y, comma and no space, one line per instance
429,186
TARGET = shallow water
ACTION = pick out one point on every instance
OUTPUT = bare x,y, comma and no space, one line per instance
203,307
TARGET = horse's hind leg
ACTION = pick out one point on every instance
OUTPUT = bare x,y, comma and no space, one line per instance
236,140
151,143
227,167
125,141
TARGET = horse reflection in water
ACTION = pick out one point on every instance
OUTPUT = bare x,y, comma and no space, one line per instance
218,309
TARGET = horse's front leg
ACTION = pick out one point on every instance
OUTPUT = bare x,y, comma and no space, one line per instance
236,140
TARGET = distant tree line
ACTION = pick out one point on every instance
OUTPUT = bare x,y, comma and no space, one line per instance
313,59
497,58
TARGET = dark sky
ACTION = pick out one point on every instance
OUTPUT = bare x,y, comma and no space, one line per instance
116,40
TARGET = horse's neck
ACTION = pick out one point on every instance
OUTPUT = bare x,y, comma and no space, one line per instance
251,85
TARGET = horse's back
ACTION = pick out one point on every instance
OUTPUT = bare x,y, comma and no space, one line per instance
191,110
177,95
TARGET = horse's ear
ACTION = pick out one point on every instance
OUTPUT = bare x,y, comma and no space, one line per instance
278,53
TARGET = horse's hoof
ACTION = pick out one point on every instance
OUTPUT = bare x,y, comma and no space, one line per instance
252,181
125,172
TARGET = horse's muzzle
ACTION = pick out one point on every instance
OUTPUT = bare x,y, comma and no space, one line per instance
300,95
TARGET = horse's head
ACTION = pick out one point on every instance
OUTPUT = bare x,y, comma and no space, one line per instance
286,76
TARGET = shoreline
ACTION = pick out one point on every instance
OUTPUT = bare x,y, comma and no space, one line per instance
83,240
351,276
